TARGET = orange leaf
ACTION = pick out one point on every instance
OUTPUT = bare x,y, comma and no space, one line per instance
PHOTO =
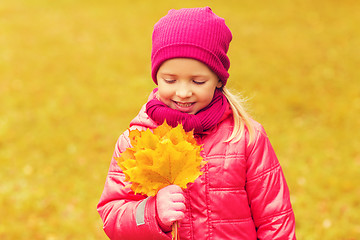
160,158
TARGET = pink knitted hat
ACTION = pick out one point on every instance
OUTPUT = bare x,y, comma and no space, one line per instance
195,33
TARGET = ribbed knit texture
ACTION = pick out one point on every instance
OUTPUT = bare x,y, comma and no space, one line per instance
199,122
192,33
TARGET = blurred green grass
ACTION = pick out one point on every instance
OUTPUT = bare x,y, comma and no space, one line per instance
74,73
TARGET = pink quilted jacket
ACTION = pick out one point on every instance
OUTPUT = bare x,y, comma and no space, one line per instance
241,195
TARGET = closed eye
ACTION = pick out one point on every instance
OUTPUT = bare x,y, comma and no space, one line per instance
199,82
169,81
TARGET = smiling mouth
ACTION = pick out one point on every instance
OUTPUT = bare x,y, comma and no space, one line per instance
183,104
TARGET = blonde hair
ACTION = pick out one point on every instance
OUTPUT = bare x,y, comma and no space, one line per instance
242,119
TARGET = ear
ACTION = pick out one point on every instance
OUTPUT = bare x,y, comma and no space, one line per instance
219,84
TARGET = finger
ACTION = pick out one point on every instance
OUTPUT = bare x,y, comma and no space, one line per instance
176,217
177,197
174,189
178,206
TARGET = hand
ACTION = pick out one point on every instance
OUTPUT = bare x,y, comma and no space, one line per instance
170,203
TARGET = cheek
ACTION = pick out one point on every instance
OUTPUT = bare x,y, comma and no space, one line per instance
207,94
164,93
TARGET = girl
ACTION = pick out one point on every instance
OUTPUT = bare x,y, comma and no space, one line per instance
242,193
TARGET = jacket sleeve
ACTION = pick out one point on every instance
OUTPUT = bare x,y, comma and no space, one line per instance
125,215
267,190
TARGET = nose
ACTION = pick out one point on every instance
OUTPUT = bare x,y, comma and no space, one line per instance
184,91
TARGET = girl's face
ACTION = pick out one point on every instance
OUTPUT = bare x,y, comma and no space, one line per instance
185,84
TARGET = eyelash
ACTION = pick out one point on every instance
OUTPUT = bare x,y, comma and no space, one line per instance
169,81
198,83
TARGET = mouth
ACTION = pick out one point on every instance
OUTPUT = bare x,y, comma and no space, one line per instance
184,105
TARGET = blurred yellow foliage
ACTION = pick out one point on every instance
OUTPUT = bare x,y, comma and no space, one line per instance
74,73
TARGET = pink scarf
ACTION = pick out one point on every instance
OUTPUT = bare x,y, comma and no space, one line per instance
200,122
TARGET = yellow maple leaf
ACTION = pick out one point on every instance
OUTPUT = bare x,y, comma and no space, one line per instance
160,158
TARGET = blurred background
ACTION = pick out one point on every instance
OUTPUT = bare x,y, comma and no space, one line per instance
74,73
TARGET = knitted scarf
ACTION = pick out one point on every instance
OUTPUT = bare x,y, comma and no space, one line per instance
200,122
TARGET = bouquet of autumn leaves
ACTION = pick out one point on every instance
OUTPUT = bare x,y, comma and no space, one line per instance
161,158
